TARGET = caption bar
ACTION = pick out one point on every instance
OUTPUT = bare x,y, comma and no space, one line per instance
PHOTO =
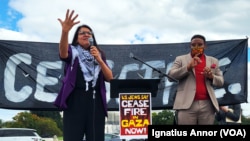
163,132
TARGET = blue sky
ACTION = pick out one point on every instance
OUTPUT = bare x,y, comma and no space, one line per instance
126,22
10,17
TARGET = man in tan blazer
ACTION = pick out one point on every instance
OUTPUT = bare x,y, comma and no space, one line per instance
197,74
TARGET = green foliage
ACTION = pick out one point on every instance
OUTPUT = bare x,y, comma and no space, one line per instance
245,121
45,127
162,118
1,123
55,115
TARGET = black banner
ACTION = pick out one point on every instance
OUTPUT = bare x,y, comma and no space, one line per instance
31,72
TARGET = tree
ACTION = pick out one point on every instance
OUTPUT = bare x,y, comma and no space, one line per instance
44,126
55,115
244,120
1,123
162,118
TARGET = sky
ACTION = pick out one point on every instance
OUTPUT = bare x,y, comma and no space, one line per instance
126,22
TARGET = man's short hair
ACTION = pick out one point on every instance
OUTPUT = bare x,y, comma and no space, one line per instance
199,36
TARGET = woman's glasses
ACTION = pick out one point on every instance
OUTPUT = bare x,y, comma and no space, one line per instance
84,33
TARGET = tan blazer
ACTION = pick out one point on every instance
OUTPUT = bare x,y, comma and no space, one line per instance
187,84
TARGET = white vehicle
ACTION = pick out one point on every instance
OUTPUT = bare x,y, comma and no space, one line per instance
19,134
112,137
109,137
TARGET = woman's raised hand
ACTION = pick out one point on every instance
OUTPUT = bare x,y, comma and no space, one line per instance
69,20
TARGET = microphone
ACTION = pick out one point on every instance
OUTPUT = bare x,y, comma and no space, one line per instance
131,55
91,41
140,75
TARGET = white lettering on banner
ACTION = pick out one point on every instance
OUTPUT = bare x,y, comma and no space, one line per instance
107,84
167,88
148,71
42,80
9,78
159,64
128,68
19,96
